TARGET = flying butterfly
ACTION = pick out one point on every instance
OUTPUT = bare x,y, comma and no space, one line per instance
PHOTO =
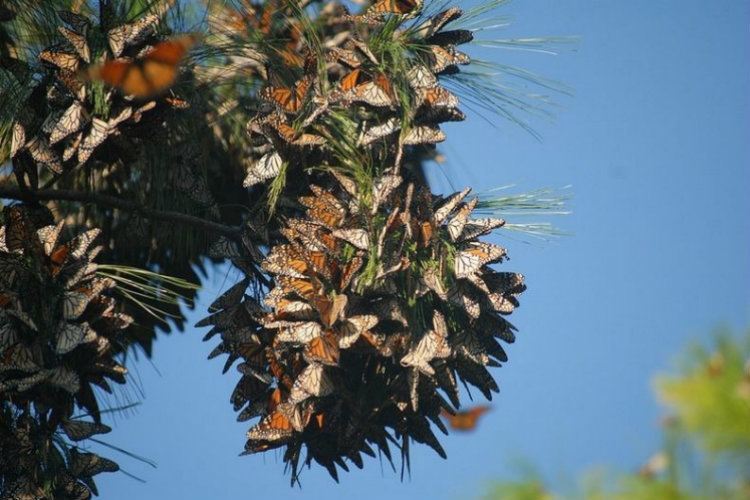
465,420
150,74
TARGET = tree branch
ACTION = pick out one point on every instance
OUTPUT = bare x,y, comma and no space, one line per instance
118,203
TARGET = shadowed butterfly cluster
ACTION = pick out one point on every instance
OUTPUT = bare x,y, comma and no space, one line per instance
60,335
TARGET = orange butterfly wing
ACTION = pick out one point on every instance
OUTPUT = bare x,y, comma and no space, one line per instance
466,420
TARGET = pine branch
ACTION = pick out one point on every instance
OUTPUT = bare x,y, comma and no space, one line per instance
120,204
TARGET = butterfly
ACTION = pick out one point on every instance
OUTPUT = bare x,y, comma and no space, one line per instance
63,60
300,332
400,7
441,59
465,420
433,25
457,223
90,464
353,327
71,121
424,134
324,208
330,310
311,382
376,91
360,238
69,336
474,255
295,138
78,42
447,206
41,152
288,99
376,132
78,430
420,77
130,34
323,349
150,74
432,345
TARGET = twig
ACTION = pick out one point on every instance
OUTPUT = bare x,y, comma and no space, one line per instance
118,203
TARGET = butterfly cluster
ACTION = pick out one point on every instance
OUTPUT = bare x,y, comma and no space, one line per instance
93,93
60,334
342,89
377,305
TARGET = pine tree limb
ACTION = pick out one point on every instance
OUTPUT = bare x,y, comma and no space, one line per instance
120,204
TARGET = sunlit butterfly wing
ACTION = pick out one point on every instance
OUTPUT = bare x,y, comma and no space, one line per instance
400,7
460,296
275,427
479,227
423,134
63,60
349,271
447,206
360,238
78,41
71,121
353,327
300,332
474,255
42,153
81,243
420,77
457,223
311,382
18,139
437,97
131,34
96,136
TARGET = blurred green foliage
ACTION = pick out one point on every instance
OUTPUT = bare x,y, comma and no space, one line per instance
705,453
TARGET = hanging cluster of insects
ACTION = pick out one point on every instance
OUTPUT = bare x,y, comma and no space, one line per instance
288,138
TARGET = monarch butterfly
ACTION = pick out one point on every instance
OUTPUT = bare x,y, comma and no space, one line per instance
432,345
324,208
476,254
78,430
379,131
295,138
78,41
63,60
479,227
323,349
289,99
446,207
148,75
129,34
376,91
296,331
71,121
420,77
349,270
460,296
425,134
284,260
353,327
456,224
69,337
360,238
465,420
437,22
330,310
441,59
267,167
400,7
313,381
437,97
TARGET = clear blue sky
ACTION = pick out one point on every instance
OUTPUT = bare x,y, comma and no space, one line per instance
655,144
